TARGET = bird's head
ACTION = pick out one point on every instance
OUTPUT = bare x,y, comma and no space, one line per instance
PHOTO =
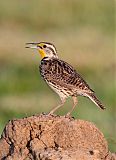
45,49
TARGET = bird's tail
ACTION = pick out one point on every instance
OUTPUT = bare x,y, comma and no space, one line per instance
93,98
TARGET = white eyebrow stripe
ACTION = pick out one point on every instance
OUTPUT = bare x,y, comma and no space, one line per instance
52,48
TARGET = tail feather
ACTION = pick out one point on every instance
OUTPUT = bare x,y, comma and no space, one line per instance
93,98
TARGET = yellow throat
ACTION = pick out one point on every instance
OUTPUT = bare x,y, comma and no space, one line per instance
42,53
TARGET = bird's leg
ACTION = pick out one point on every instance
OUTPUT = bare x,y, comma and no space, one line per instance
75,101
54,109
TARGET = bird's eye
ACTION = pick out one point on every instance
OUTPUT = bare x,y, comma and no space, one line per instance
44,46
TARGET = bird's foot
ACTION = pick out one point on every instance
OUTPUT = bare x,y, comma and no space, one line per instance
51,113
43,113
68,115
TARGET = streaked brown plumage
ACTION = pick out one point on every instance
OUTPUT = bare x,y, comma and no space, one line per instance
62,77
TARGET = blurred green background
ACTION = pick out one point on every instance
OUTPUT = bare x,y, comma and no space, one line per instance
83,32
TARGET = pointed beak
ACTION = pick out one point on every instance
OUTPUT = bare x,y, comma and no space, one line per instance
36,46
32,45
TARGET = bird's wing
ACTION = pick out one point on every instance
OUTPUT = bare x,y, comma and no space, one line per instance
62,74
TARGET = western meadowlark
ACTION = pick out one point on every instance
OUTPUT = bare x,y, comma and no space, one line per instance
61,76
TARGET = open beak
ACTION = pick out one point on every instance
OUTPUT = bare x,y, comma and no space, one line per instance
36,46
32,45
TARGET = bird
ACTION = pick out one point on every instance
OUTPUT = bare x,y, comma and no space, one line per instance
62,77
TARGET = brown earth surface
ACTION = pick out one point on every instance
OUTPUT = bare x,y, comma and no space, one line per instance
51,137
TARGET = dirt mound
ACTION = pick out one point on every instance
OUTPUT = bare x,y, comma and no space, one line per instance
50,137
